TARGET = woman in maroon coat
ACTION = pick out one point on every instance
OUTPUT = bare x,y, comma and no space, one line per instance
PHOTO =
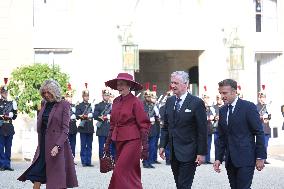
129,128
53,162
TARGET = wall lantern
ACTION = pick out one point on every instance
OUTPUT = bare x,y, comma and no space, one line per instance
236,55
130,57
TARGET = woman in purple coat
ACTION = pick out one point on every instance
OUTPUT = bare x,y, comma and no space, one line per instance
53,162
129,128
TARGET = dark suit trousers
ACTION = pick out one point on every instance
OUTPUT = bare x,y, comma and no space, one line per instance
239,177
183,172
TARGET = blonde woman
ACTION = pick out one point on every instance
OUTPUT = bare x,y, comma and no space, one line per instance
53,162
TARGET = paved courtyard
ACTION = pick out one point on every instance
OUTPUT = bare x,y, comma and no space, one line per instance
271,177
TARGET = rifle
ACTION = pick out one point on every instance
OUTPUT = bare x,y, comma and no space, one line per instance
159,101
86,112
106,111
263,113
152,113
6,111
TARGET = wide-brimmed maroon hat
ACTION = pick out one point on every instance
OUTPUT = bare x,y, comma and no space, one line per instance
135,86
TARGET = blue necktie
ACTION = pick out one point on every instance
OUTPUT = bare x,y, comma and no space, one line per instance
177,106
230,109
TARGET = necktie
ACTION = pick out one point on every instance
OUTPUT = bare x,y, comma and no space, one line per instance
177,106
230,109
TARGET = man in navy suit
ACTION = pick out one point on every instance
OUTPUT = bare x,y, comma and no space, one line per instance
185,130
241,137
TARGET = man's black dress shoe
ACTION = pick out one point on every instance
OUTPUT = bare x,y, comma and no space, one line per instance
9,169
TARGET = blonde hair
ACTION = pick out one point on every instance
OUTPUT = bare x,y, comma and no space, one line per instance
53,88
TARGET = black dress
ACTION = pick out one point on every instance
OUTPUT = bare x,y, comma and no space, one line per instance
37,173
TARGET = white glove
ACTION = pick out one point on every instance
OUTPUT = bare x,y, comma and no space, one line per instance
156,111
15,107
152,119
265,116
108,116
90,115
73,109
73,116
11,114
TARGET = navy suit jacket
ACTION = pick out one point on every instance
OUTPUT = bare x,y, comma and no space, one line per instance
243,139
187,132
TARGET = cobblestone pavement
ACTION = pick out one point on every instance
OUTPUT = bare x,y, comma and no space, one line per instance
159,178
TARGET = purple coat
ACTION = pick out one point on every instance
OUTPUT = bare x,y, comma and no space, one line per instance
60,170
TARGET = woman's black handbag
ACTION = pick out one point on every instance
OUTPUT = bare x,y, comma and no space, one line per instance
106,163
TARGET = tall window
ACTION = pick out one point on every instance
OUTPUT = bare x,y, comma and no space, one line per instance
258,9
266,16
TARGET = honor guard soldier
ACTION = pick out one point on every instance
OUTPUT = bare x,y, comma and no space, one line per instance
149,108
162,112
8,112
154,98
210,111
85,128
102,113
72,125
265,116
219,103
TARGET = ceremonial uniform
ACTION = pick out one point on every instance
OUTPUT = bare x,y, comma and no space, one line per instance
210,130
265,116
154,132
102,115
167,149
210,113
261,108
86,130
72,129
8,112
72,124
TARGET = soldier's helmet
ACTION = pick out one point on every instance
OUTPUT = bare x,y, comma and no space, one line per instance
147,92
154,92
262,93
69,92
205,93
85,92
106,92
154,95
4,88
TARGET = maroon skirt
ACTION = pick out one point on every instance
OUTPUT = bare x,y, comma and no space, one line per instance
127,170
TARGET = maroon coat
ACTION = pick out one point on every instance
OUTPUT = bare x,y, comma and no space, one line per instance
128,118
60,170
